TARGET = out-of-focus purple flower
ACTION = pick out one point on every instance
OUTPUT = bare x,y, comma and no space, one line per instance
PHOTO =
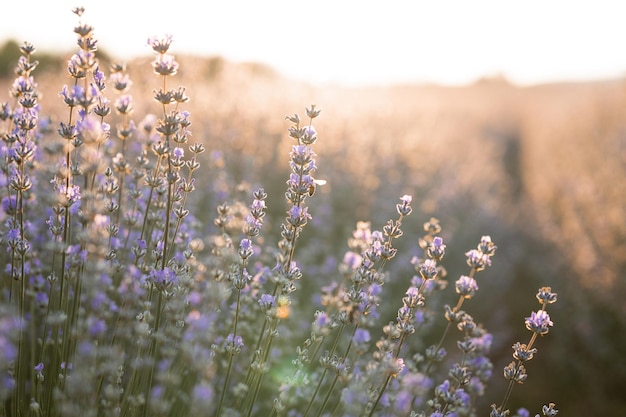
483,342
375,289
124,104
121,81
194,298
321,319
203,393
9,331
462,398
41,300
352,259
363,232
96,326
522,412
476,387
361,336
76,251
91,130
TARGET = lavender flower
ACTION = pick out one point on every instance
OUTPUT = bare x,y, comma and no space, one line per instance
477,259
539,322
113,282
160,44
549,410
267,301
466,287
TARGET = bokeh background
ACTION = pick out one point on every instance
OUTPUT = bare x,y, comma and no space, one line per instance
537,163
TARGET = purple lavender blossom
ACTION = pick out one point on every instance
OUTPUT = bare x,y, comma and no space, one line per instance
70,194
539,322
546,296
522,412
321,319
352,260
203,394
437,249
521,352
267,301
413,298
234,343
549,410
245,248
404,208
124,104
163,279
9,327
165,65
92,130
160,44
486,246
477,260
466,286
97,326
428,269
361,336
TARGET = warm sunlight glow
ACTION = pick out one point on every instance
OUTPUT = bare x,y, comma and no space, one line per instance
356,42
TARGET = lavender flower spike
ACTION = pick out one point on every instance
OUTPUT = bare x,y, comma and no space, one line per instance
539,322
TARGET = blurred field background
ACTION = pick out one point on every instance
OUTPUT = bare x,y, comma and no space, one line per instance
541,169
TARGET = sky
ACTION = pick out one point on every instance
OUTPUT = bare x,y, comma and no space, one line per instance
353,42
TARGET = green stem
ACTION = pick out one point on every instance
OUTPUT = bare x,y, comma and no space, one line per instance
314,396
379,396
328,395
230,358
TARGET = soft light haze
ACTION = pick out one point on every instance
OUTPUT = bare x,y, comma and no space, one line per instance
355,42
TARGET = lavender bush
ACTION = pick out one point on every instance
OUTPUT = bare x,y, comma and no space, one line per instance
118,301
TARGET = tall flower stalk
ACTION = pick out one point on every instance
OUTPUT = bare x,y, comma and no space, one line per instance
363,296
300,184
538,324
240,278
19,152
